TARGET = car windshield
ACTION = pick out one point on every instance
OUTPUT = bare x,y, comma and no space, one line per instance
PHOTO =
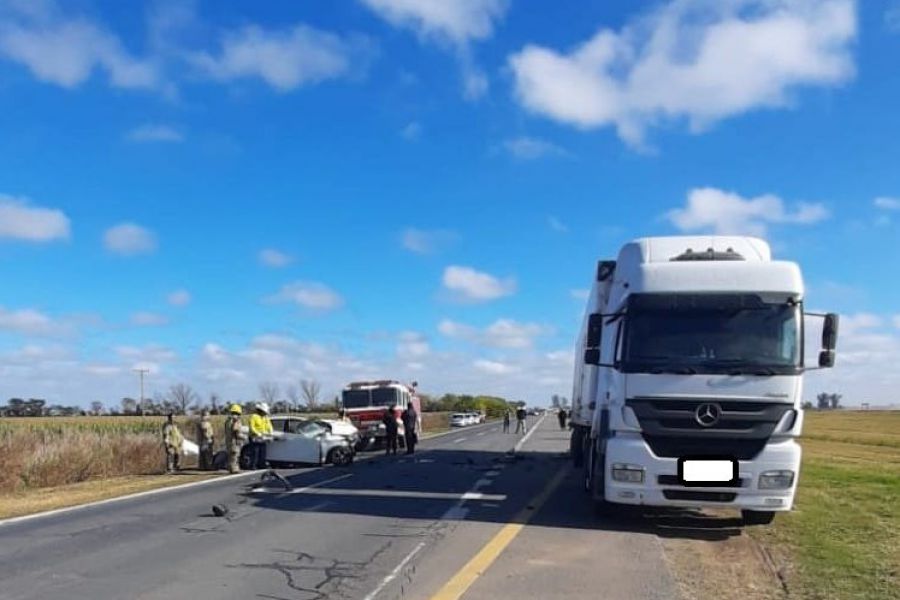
356,398
306,428
763,339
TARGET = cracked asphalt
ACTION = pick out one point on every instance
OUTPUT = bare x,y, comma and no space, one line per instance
388,527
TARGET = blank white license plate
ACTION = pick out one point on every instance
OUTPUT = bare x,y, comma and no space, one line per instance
697,471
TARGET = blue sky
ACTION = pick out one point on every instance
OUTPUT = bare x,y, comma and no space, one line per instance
230,193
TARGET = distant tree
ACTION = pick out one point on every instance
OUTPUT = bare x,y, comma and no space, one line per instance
806,405
181,396
96,408
823,401
311,390
835,400
215,404
269,392
292,393
129,406
555,401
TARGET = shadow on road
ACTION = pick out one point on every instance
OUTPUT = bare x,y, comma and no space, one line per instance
405,487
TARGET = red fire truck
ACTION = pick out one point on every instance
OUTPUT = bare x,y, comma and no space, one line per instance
364,402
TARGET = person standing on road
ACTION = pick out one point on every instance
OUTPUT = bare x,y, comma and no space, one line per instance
390,430
173,442
234,438
260,432
506,419
521,415
206,440
561,415
410,428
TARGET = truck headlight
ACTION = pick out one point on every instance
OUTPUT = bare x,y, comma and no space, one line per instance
627,473
776,480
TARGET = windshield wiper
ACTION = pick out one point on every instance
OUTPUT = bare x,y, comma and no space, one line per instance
674,370
734,365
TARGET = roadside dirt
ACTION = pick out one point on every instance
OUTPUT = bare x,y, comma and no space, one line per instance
713,557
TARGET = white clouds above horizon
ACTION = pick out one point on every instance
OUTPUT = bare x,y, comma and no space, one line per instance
129,239
502,333
427,241
148,319
690,60
465,284
284,59
722,212
531,148
179,298
21,221
310,295
28,321
151,132
275,259
67,52
887,203
455,24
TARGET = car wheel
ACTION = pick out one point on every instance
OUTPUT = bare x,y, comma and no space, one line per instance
340,456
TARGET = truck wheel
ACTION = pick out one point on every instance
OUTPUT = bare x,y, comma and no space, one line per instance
340,456
758,517
576,447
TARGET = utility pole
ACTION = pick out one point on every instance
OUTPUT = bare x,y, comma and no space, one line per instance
141,372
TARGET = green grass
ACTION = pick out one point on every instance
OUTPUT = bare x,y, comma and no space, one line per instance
843,539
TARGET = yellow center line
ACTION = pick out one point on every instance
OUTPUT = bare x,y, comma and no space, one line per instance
481,562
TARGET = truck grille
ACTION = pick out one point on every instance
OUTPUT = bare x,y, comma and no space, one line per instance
671,430
699,496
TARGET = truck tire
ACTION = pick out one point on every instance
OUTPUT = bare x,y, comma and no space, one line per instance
758,517
576,446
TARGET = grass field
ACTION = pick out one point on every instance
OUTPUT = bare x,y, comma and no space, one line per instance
843,540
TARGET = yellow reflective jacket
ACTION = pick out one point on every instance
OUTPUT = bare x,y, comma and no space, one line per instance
260,426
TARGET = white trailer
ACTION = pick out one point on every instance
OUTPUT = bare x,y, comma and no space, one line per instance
688,377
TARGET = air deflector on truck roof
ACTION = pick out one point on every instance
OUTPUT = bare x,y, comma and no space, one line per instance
709,254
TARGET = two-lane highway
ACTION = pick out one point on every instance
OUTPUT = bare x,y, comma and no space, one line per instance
423,526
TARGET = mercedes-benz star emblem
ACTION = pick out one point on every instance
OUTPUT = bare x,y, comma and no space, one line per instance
708,414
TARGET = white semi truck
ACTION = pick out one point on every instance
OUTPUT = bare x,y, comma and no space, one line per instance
689,375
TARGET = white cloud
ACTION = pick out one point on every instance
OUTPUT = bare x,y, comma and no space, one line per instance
67,52
557,225
456,24
155,133
459,22
721,212
21,221
467,284
179,298
690,59
892,17
285,59
423,241
129,239
885,203
148,319
309,294
530,148
896,321
580,294
412,345
275,259
492,367
28,321
412,131
502,333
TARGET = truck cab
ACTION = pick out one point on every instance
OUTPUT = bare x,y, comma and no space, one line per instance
689,374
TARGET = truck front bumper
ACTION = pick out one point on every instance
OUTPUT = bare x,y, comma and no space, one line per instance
661,488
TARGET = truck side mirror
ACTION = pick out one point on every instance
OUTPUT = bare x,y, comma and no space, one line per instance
826,359
595,330
830,332
592,356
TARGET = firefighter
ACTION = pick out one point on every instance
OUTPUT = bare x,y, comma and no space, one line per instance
410,428
234,437
206,441
391,430
173,442
261,431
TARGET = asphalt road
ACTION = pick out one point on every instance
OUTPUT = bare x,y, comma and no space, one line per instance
449,521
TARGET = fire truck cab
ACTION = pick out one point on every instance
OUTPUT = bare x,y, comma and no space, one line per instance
364,403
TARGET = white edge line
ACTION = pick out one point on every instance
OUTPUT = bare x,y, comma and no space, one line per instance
533,428
171,488
393,574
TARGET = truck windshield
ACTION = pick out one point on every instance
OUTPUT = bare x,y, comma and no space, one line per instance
356,398
759,340
384,397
